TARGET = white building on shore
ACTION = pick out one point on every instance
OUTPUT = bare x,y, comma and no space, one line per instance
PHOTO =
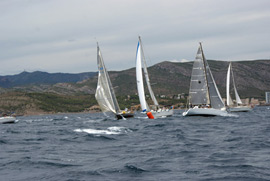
267,97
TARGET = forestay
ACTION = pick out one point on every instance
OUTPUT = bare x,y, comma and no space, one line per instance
146,75
215,98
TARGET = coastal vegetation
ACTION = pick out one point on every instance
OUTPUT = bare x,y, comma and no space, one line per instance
42,93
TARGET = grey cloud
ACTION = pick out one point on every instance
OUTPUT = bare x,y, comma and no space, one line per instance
67,30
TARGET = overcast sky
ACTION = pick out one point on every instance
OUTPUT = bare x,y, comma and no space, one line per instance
61,35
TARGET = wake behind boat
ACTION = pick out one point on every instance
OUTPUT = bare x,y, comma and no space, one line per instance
240,109
156,112
204,97
238,105
105,95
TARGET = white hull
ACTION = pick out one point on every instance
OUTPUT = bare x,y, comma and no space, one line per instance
204,112
240,109
7,120
162,113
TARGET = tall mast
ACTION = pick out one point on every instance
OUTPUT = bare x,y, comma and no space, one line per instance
228,81
111,90
238,100
204,64
139,78
146,75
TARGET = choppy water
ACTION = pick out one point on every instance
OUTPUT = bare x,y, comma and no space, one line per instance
92,147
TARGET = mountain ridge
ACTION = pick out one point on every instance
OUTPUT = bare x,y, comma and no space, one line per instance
252,79
169,80
39,77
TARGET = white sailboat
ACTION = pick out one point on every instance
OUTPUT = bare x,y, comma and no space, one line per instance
105,95
141,64
232,107
7,119
204,97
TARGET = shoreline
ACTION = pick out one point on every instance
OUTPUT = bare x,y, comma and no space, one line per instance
39,113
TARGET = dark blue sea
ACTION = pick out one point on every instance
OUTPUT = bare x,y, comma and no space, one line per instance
94,147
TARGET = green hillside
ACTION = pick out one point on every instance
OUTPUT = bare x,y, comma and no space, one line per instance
167,78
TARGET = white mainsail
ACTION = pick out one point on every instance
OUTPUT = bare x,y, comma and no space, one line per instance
229,99
139,78
105,95
237,97
139,60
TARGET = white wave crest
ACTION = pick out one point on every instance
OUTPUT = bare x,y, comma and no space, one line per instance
230,115
119,129
109,131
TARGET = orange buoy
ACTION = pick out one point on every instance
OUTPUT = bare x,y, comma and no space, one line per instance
150,115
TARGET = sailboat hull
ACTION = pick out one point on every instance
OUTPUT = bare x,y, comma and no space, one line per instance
7,120
126,115
204,112
163,113
240,109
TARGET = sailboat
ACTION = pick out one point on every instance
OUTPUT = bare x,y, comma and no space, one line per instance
204,97
7,120
105,95
232,107
156,112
